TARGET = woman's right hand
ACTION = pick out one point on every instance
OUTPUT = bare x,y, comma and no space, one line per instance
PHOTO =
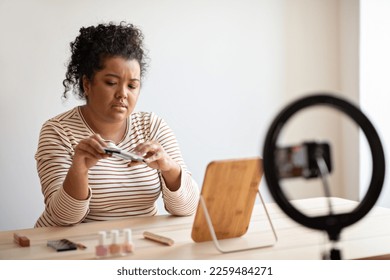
88,152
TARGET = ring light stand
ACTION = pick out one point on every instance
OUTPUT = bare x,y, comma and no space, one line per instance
331,223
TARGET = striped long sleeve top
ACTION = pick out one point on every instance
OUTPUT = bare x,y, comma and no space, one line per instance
115,189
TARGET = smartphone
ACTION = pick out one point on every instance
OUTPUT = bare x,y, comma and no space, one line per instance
301,160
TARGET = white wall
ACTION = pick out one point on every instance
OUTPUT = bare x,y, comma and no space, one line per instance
312,66
374,83
217,76
220,71
349,84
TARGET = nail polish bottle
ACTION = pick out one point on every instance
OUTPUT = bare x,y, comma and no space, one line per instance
114,248
101,249
128,246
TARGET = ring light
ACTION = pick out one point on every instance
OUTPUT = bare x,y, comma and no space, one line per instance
332,223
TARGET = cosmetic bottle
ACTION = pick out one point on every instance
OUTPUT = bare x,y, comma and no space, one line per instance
101,249
128,246
114,248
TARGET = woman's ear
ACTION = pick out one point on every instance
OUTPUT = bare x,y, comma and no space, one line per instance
86,85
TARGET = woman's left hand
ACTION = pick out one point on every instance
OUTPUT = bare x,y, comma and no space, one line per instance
155,156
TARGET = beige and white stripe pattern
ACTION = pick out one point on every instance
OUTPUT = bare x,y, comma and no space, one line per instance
116,190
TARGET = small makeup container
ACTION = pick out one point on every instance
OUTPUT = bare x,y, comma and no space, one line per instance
101,249
114,248
128,246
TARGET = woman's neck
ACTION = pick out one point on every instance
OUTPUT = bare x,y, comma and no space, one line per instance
114,131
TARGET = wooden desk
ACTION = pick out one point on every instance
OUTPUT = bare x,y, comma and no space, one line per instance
367,238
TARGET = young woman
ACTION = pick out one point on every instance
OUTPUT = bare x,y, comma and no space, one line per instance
80,182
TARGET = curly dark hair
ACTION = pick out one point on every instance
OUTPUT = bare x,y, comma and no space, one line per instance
96,43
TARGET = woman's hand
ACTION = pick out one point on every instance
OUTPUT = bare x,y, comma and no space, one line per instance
156,157
89,151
